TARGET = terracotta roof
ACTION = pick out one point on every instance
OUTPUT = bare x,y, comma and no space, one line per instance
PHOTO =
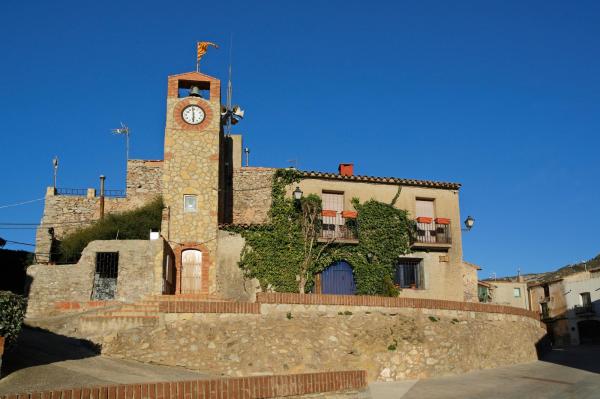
381,180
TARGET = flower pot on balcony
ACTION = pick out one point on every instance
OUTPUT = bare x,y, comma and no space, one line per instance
423,219
442,221
350,214
328,213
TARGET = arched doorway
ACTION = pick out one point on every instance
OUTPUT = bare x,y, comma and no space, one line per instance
191,271
338,279
589,331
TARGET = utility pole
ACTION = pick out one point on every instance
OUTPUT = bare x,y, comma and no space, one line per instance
102,178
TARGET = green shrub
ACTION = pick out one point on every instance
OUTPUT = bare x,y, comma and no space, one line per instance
130,225
12,311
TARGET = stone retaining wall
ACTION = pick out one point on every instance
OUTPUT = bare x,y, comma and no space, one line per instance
390,343
273,386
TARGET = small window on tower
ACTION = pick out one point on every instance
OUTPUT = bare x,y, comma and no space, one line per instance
190,203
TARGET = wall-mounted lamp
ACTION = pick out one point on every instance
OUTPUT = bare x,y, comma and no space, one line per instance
469,222
298,194
370,257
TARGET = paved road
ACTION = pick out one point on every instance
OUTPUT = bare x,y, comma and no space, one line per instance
564,374
44,360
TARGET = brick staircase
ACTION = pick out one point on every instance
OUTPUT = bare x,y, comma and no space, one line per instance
148,311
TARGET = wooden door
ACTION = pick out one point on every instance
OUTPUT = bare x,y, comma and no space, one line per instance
338,279
191,271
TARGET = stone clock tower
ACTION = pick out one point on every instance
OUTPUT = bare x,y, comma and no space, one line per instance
191,179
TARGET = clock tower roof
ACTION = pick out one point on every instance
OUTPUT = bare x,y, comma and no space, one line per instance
193,76
188,79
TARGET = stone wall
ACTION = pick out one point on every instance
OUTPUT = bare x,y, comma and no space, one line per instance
231,282
67,213
252,195
144,178
470,282
390,343
139,274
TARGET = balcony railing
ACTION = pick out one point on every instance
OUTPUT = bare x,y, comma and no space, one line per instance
433,233
338,232
71,191
584,309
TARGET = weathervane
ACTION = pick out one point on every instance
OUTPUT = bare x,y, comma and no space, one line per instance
202,47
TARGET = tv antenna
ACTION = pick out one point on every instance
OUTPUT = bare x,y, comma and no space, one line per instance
123,130
230,114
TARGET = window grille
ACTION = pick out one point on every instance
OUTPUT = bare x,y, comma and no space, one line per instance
105,277
409,273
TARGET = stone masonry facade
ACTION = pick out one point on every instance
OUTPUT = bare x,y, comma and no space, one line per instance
67,213
191,168
139,275
252,195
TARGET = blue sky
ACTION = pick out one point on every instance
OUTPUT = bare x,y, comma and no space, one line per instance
501,96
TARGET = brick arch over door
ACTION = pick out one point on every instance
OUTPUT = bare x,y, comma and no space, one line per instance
202,287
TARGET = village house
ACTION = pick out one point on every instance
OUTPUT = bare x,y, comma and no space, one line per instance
204,187
509,292
569,306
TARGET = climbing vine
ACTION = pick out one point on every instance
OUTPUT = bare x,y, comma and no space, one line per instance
283,256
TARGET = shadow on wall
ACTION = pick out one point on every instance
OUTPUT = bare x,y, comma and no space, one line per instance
36,347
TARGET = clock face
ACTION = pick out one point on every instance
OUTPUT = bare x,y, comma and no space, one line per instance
193,114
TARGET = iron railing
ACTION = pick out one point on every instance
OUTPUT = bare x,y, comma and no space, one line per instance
83,192
345,232
71,191
433,233
114,193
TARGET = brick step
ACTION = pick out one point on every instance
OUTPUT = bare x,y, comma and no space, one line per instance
123,317
119,313
108,324
139,308
183,297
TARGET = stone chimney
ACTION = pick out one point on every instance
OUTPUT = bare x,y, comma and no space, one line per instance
346,169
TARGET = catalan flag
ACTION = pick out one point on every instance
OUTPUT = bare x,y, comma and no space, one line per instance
202,47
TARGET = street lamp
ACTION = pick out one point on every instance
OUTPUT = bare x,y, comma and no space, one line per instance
298,193
55,166
469,222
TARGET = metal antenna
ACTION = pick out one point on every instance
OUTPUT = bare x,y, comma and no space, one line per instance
125,131
232,114
229,87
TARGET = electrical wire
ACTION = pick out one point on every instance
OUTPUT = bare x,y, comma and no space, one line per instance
22,203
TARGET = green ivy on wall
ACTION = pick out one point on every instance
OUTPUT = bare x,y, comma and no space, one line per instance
276,252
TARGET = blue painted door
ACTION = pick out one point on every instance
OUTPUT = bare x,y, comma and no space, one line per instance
338,279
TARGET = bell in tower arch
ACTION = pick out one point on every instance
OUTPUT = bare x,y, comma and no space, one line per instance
195,92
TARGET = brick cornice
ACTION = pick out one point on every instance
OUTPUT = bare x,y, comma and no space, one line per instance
389,302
